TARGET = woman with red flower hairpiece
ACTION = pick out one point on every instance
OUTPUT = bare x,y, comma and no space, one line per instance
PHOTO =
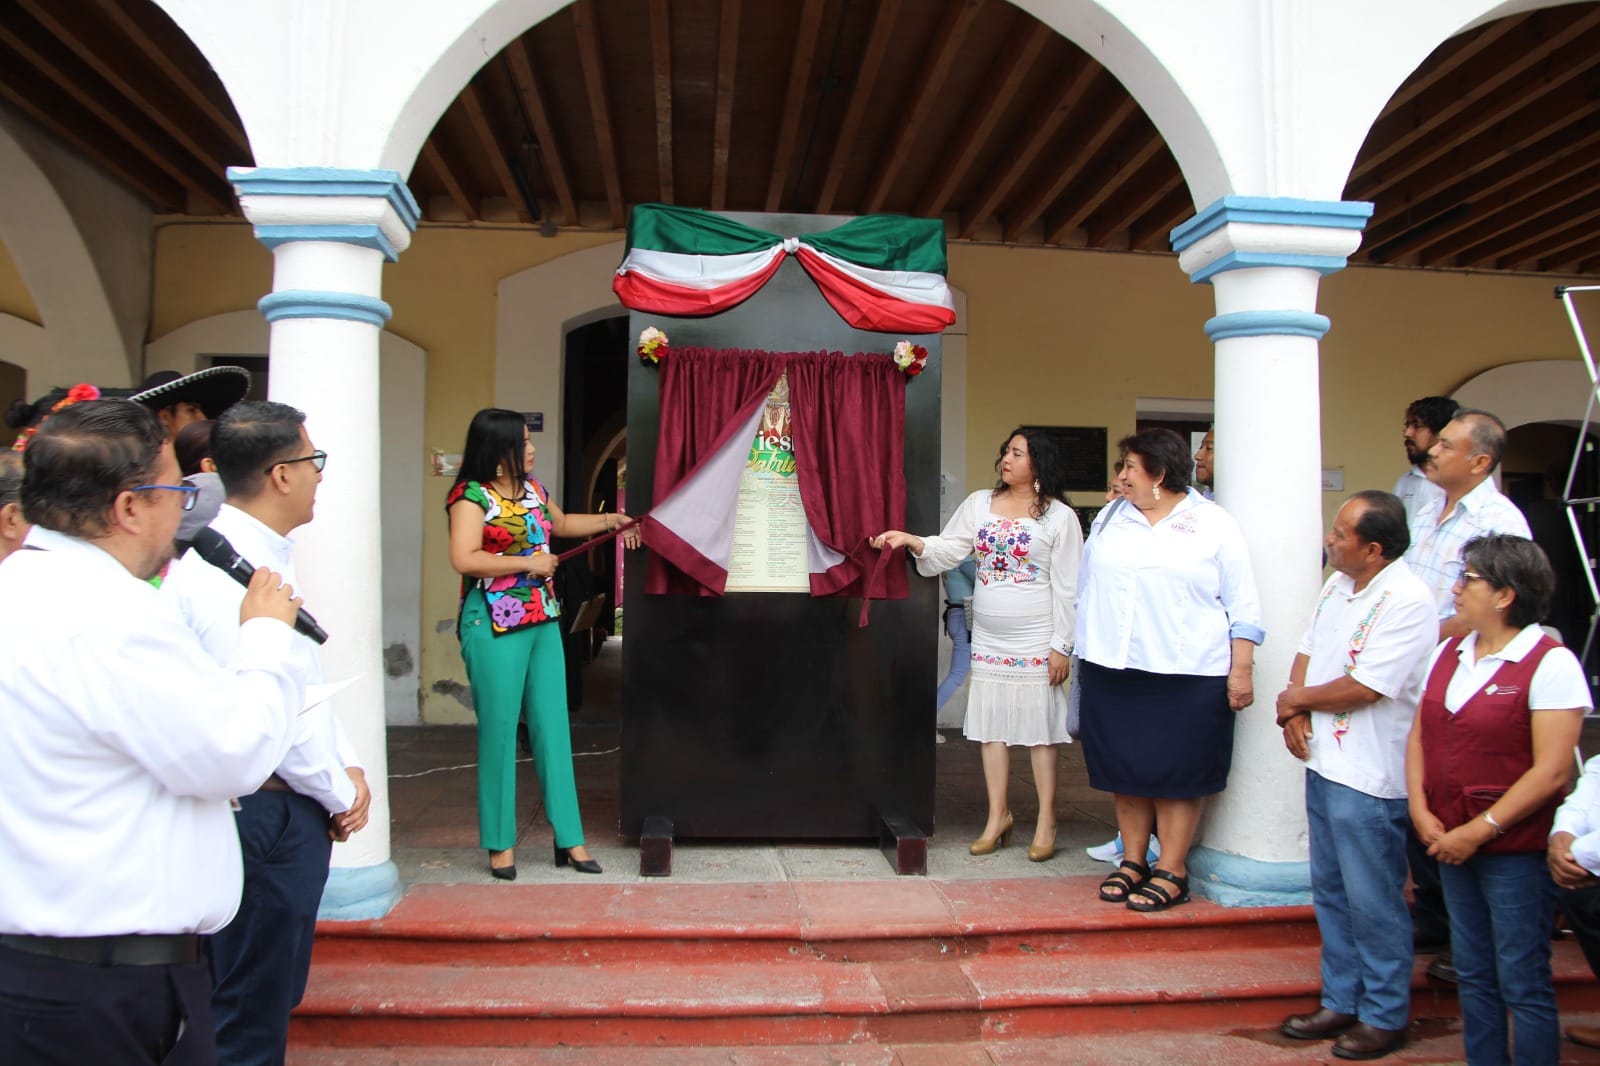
501,522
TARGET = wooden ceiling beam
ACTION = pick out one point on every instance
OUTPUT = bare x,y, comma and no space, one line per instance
661,86
941,61
72,127
1139,194
489,144
1449,57
1510,106
1485,222
794,99
860,98
594,82
985,116
1101,182
1572,249
1424,205
1067,96
1522,53
550,154
722,126
49,59
436,162
128,26
112,68
1080,147
1545,232
1152,232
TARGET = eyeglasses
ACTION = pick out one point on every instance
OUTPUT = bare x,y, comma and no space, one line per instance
191,493
1465,577
318,459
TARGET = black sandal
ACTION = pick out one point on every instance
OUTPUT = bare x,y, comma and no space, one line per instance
1121,883
1148,896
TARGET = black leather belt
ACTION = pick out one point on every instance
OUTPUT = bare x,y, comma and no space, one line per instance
274,784
132,949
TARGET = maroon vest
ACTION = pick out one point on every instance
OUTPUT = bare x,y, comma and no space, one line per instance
1471,757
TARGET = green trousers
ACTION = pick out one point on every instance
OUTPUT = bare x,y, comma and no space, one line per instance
519,674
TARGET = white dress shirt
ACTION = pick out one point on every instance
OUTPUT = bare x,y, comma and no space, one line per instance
121,743
1435,553
1167,598
209,601
1379,637
1415,491
1580,816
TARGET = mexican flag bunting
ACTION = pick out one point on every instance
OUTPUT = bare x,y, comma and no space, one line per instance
883,273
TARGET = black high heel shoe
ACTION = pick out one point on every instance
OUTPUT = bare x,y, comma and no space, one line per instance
507,872
583,866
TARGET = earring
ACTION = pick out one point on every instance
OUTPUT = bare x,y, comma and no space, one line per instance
499,470
1499,606
1157,491
1036,486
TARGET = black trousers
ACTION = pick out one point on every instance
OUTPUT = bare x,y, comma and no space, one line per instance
1582,908
59,1013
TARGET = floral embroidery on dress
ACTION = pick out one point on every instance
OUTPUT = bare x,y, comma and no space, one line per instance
1002,546
1020,661
512,527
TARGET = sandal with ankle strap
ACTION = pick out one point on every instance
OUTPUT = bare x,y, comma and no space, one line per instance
1121,884
1147,896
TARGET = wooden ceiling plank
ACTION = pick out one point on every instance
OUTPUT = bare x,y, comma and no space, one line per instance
661,84
164,197
1159,178
805,53
168,65
594,82
1528,92
489,143
941,62
1104,127
107,67
985,117
1447,59
1103,182
1073,90
447,177
550,153
1556,248
1486,221
860,98
1526,49
1545,232
722,125
134,131
1425,204
1151,233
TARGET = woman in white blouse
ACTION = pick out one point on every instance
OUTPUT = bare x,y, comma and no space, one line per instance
1027,542
1168,621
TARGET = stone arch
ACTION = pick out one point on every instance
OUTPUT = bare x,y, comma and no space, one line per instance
1541,390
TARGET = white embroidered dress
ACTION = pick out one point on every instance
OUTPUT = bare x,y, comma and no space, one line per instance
1023,608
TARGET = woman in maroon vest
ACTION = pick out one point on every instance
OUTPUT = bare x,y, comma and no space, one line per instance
1489,757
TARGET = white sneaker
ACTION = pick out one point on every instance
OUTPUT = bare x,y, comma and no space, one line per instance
938,737
1110,851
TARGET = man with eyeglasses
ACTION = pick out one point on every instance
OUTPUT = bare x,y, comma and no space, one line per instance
120,747
1461,460
318,794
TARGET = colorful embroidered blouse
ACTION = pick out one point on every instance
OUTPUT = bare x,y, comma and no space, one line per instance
511,527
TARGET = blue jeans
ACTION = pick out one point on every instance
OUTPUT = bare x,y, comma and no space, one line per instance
1358,877
1502,912
955,624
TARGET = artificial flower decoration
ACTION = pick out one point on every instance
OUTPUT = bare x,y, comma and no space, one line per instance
77,394
910,358
652,345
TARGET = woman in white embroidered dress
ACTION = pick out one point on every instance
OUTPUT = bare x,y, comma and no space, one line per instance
1027,542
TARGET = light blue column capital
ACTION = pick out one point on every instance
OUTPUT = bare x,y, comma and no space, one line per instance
368,208
1249,232
318,303
1267,323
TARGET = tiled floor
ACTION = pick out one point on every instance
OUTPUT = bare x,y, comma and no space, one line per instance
431,795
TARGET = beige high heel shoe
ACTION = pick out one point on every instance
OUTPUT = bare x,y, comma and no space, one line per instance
986,845
1036,853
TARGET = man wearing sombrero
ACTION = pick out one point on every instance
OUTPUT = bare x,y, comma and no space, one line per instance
178,399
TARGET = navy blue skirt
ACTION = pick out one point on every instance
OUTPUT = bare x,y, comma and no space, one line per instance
1164,736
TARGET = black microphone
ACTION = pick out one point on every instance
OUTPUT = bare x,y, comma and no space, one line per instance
214,548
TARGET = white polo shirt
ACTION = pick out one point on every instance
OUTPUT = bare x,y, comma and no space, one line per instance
1380,637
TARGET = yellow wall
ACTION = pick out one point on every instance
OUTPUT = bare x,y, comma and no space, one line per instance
1054,337
14,296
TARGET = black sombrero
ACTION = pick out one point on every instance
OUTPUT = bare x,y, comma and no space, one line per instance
213,390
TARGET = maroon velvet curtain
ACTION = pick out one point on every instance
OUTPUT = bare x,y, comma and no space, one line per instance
703,391
849,416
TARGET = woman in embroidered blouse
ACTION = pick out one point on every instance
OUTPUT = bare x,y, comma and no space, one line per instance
1489,756
1027,542
501,522
1168,621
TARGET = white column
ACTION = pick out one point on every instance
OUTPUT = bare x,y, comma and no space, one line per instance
1265,258
331,231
